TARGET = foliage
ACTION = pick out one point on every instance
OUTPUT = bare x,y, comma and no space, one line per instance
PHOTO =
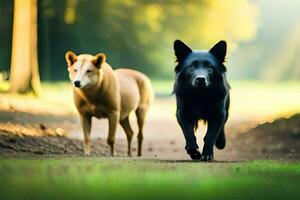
137,34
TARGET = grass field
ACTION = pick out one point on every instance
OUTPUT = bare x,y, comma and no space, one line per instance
122,178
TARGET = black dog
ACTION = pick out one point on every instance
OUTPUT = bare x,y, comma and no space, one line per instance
202,93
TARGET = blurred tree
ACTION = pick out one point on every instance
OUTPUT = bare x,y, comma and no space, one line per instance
137,33
140,34
24,74
6,12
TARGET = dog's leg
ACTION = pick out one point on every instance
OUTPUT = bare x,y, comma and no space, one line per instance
113,119
214,127
129,133
187,127
86,122
221,138
140,115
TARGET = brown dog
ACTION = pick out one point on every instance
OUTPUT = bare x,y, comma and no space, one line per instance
99,91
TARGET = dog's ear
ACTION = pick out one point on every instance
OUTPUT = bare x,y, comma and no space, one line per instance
181,50
71,58
99,59
219,50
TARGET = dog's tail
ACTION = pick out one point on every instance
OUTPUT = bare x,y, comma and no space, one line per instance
221,140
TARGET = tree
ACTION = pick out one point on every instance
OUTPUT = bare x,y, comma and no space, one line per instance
24,74
138,33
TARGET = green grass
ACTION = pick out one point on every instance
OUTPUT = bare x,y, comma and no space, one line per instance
122,178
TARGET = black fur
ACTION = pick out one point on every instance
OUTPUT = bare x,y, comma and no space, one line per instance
204,102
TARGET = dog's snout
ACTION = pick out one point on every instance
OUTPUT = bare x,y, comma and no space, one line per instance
200,79
77,83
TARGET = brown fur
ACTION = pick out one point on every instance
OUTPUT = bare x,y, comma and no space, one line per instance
111,94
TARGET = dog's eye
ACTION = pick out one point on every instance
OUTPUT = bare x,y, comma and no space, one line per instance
192,66
88,71
209,70
75,70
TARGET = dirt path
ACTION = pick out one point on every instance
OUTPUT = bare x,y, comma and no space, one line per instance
34,132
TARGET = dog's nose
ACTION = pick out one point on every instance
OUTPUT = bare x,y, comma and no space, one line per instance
200,79
77,83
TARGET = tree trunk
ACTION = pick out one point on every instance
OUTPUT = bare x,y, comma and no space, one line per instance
24,74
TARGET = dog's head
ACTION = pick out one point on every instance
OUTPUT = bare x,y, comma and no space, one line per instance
84,70
200,68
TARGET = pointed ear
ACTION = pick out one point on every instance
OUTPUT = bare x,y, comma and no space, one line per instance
71,58
99,59
181,50
219,50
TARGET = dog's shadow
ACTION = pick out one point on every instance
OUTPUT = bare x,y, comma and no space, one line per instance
198,161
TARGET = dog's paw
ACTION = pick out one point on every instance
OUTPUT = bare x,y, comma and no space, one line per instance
207,158
87,152
194,154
